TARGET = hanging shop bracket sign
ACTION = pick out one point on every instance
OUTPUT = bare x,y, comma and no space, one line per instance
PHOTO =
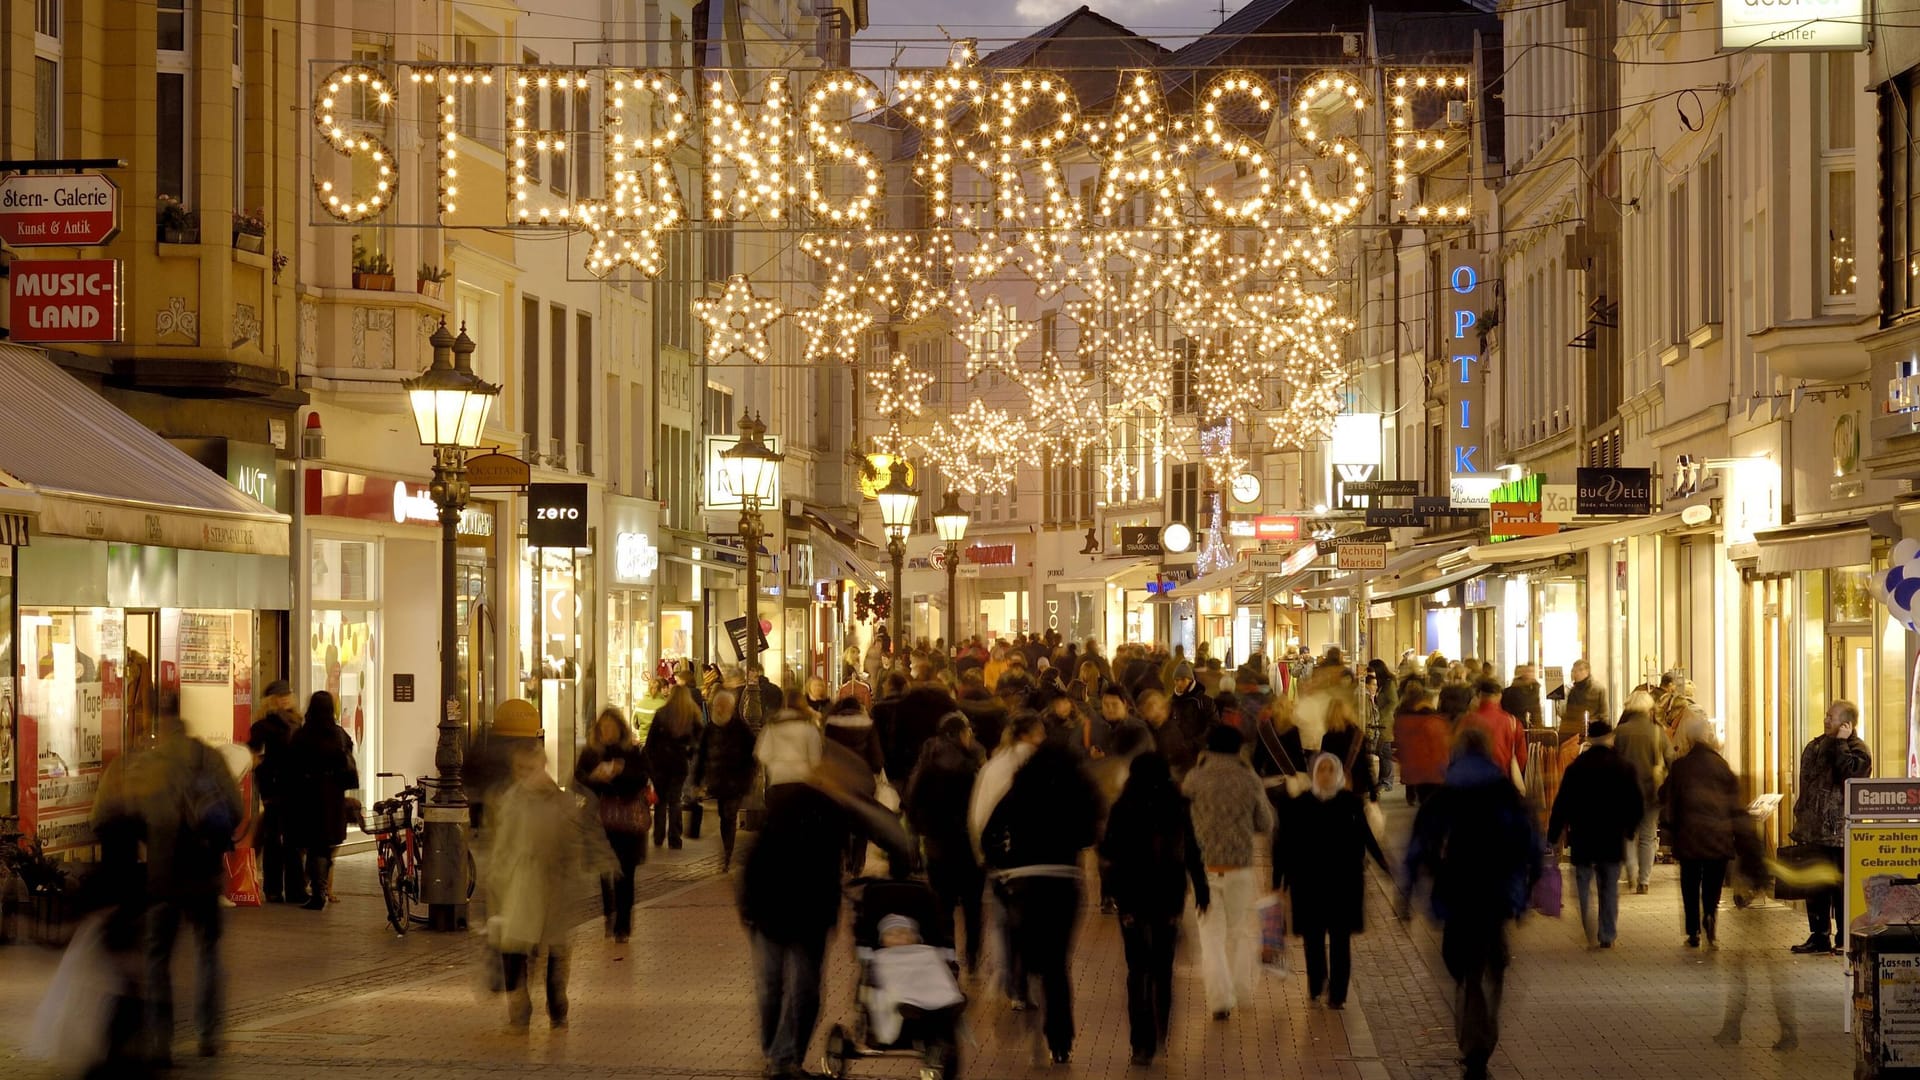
1614,492
72,210
64,301
557,515
498,472
1361,556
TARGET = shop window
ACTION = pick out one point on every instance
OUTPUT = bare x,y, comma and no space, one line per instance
1900,258
343,640
1849,598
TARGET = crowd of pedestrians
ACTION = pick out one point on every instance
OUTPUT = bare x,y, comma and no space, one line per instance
1022,781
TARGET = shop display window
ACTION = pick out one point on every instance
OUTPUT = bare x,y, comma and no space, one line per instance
343,641
630,665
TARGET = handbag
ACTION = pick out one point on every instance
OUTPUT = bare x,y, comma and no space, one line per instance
1801,871
626,815
242,886
1546,898
1274,958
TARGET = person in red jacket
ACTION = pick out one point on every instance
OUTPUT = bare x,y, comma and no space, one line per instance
1506,739
1421,740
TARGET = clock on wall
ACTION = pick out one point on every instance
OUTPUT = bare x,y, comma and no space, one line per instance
1246,488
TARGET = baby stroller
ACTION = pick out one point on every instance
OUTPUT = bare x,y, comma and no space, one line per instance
929,1034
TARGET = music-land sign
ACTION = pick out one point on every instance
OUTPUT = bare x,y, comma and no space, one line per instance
1614,492
65,301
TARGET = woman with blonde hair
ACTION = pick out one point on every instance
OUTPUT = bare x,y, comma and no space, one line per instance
1347,741
1700,802
671,742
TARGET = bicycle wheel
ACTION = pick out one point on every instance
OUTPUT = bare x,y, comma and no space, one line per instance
392,887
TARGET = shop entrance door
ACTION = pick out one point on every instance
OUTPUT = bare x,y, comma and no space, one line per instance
142,693
1851,651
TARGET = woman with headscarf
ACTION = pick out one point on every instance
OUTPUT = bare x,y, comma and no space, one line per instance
1318,854
669,751
613,768
320,771
1147,856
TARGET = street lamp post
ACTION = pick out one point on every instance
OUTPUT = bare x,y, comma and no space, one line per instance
897,503
450,405
951,523
755,468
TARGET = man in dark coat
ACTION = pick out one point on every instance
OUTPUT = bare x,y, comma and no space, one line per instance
321,771
281,877
986,713
913,721
1476,839
1193,710
1521,699
1033,839
938,793
1834,756
1598,807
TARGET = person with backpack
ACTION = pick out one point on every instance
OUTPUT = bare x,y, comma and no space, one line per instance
184,803
320,771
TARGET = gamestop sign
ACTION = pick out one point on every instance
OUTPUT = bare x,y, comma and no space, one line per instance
65,301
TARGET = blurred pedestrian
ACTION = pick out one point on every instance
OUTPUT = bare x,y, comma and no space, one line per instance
613,768
320,772
1170,737
1147,855
725,768
1832,758
846,723
283,879
1193,710
1505,737
1521,698
1319,854
1230,808
1108,774
1746,960
1421,738
1347,741
544,855
936,799
1642,743
1033,840
1023,736
1475,838
1700,802
669,752
1598,807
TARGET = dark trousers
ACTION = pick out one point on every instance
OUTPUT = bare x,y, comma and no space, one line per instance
786,980
729,810
1475,952
1329,963
319,863
1013,976
666,815
281,875
1826,914
616,889
1419,793
1149,949
957,882
1700,882
1043,911
517,968
163,928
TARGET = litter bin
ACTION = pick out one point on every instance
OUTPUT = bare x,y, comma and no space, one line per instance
1886,1003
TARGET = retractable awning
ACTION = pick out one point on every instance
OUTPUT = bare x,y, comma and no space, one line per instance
835,561
85,469
1821,544
1568,541
1431,585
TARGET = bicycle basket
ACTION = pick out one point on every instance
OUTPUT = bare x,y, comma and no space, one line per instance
382,822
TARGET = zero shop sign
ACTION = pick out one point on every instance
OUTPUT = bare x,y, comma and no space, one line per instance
67,301
557,515
76,210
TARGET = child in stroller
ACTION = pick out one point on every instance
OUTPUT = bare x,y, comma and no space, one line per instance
909,999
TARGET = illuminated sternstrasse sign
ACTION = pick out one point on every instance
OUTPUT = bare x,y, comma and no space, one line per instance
786,150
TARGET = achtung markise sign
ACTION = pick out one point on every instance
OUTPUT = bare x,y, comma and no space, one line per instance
64,301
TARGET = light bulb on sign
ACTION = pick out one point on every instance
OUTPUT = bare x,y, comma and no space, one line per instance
1176,538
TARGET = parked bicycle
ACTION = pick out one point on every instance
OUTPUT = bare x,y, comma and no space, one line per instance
394,825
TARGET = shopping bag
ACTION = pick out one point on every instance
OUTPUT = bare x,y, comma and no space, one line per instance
243,876
1802,870
1274,959
73,1024
1547,891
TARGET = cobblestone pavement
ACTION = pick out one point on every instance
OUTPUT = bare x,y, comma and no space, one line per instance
336,994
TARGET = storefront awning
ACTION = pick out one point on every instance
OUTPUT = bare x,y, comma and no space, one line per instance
836,561
1265,592
1224,578
1568,541
1101,571
98,474
1431,585
1821,545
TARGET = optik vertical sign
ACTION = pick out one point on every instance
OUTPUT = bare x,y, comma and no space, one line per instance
1460,323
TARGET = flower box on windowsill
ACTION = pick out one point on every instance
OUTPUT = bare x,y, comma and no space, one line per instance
429,289
179,234
254,242
373,282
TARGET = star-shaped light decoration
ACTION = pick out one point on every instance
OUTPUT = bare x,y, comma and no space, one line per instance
1066,414
832,330
900,389
991,337
737,322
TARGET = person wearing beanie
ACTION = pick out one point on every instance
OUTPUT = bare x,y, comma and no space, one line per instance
1597,808
1230,808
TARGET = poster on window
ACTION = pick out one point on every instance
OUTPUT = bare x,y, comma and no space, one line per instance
90,701
8,726
205,648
